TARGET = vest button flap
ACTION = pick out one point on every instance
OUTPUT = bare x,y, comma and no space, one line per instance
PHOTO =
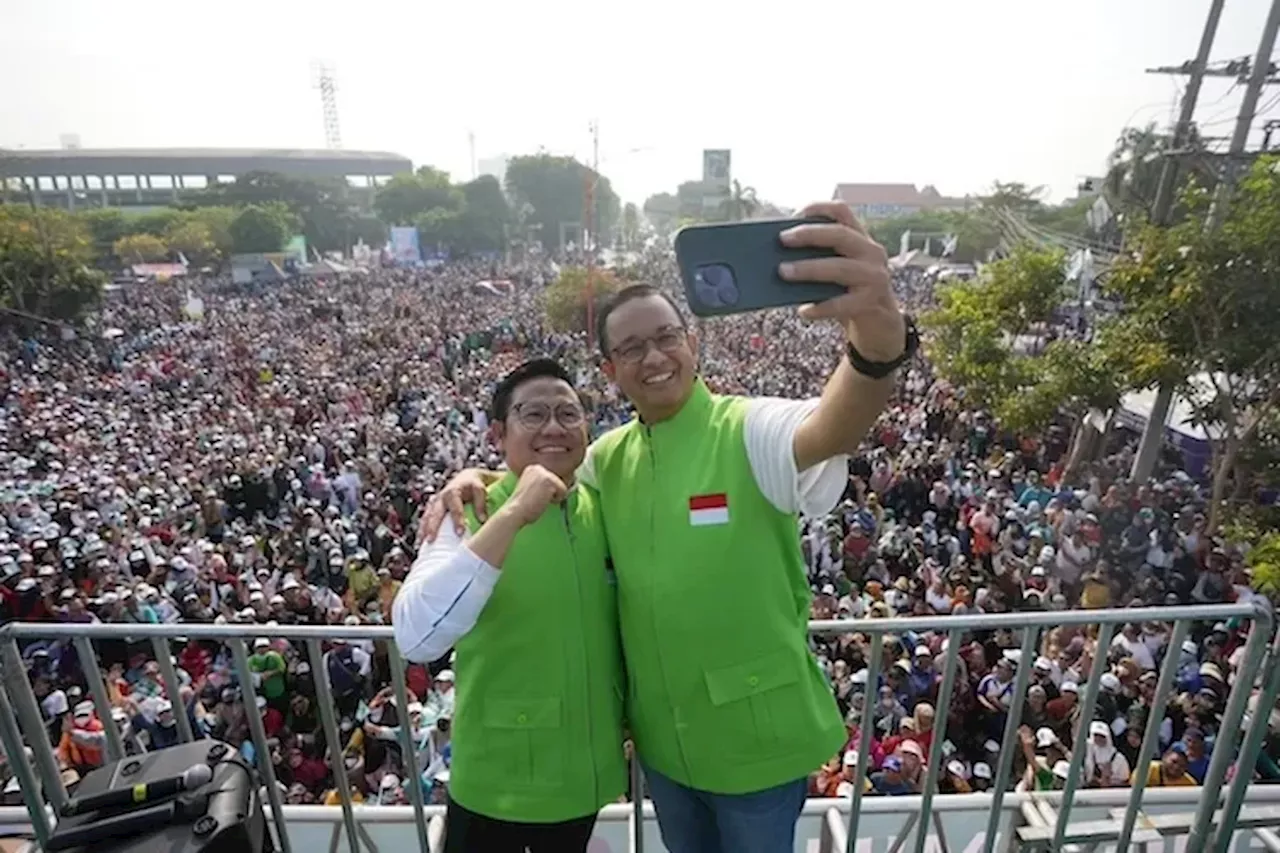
521,734
750,703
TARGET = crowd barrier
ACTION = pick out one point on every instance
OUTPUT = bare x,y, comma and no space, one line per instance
1048,823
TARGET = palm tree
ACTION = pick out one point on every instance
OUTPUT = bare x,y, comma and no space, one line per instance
741,203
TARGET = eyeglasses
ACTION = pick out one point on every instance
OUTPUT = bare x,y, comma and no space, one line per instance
534,415
668,340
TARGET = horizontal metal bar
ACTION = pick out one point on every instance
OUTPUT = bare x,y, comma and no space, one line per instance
983,621
1154,826
1044,619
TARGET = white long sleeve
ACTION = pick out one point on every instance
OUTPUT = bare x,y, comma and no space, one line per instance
442,597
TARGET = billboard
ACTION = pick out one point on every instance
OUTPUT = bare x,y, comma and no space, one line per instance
715,168
404,246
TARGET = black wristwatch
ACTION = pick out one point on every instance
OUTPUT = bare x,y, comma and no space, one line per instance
881,369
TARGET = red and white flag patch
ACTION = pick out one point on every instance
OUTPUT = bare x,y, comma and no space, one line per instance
708,509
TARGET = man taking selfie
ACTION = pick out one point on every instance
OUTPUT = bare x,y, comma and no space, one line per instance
526,599
728,709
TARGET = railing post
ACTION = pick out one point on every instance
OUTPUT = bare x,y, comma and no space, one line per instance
1088,703
15,749
259,734
637,803
1224,748
1257,729
869,699
1010,737
164,657
941,713
98,690
31,721
1151,734
416,795
331,734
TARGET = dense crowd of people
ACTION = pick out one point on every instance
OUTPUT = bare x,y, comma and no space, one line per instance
263,464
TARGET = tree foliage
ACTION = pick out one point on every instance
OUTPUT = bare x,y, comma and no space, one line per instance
321,207
466,218
44,258
262,228
1205,303
556,189
987,337
565,301
140,249
406,197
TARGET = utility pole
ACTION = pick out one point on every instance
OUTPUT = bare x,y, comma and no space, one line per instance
589,229
1153,435
1258,77
471,144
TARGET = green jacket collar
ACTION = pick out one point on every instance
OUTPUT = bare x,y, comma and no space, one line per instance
694,410
502,490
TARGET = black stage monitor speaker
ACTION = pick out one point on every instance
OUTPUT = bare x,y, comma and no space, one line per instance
199,797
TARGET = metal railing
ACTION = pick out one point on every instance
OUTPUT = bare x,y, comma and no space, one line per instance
20,716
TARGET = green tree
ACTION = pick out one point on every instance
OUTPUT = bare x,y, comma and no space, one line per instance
140,249
987,336
1204,304
262,228
106,225
439,228
1137,162
1014,196
217,221
741,203
556,189
566,300
485,215
194,239
663,211
629,229
44,263
322,211
406,197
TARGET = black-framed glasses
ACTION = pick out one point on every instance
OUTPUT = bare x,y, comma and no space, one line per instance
535,415
667,340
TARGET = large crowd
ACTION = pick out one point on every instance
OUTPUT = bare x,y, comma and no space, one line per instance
264,463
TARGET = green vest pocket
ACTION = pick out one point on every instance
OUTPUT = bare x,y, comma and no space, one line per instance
521,736
741,681
750,704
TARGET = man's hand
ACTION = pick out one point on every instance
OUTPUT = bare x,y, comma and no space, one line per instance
467,488
538,488
869,311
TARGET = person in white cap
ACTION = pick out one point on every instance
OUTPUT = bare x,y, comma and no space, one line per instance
1104,765
269,670
83,743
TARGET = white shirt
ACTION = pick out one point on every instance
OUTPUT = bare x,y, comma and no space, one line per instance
448,586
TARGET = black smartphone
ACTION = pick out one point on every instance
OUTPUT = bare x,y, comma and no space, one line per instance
733,267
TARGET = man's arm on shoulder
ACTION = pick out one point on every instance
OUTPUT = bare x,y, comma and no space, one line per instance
770,433
441,598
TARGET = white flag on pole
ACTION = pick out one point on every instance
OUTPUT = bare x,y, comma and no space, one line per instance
904,245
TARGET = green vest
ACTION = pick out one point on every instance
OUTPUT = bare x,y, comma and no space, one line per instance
537,726
723,693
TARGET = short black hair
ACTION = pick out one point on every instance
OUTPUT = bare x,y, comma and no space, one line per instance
629,293
536,368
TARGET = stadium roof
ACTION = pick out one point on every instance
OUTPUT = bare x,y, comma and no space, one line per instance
200,161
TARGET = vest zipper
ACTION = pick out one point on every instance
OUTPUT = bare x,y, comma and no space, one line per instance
653,553
586,657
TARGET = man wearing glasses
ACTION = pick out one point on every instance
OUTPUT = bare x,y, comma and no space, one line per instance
729,711
527,600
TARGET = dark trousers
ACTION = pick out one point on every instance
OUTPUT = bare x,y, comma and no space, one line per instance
468,832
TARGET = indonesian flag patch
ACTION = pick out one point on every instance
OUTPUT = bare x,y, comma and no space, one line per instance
708,509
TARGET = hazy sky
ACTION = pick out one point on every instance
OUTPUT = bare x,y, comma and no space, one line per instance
950,92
